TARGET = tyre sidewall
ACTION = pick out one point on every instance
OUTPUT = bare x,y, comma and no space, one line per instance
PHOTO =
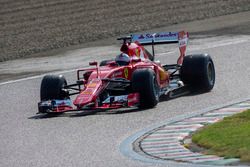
195,72
144,82
52,86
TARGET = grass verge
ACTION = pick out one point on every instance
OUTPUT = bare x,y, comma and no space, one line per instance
229,138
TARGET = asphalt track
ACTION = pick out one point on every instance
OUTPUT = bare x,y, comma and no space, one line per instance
28,140
94,140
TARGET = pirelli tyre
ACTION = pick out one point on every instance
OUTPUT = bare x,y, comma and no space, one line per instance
52,87
144,82
198,72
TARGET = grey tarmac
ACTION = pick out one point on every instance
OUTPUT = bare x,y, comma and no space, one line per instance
94,140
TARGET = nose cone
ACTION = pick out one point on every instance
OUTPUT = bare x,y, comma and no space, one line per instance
82,100
89,94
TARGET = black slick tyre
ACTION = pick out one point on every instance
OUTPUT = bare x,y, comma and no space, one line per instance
198,72
52,87
144,82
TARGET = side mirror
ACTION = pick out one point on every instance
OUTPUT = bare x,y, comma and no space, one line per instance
93,63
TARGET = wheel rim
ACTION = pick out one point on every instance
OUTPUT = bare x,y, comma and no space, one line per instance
210,73
156,89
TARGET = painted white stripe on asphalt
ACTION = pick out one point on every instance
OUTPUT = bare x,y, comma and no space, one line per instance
199,120
143,144
176,147
245,104
159,146
174,131
225,114
164,139
231,109
181,127
202,122
166,135
156,140
164,152
204,158
35,77
175,156
178,154
209,47
173,151
241,107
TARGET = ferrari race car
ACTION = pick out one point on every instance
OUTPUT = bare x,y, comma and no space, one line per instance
133,79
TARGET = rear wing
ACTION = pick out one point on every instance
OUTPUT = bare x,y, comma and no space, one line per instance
156,38
164,38
161,38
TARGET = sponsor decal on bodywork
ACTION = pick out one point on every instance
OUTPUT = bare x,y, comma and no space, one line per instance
119,99
157,37
117,74
126,72
56,103
91,85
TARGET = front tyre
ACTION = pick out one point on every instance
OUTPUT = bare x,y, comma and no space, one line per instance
52,87
144,82
198,72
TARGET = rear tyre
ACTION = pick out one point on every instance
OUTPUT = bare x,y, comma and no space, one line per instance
198,72
52,87
144,82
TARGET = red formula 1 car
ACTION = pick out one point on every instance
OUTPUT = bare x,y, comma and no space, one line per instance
132,79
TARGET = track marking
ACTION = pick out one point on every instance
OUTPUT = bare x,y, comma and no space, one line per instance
165,142
35,77
219,44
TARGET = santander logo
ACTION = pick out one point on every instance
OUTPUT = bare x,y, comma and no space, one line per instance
141,36
161,35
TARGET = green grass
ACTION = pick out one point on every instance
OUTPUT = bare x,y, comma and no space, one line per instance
229,138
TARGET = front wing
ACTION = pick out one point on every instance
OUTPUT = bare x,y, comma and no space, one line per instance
111,102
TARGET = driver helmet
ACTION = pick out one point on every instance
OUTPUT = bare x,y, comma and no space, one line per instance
122,59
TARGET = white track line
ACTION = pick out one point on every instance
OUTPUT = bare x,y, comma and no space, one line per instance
35,77
220,44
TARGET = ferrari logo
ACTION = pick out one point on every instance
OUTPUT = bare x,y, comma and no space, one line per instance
126,72
137,52
92,85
